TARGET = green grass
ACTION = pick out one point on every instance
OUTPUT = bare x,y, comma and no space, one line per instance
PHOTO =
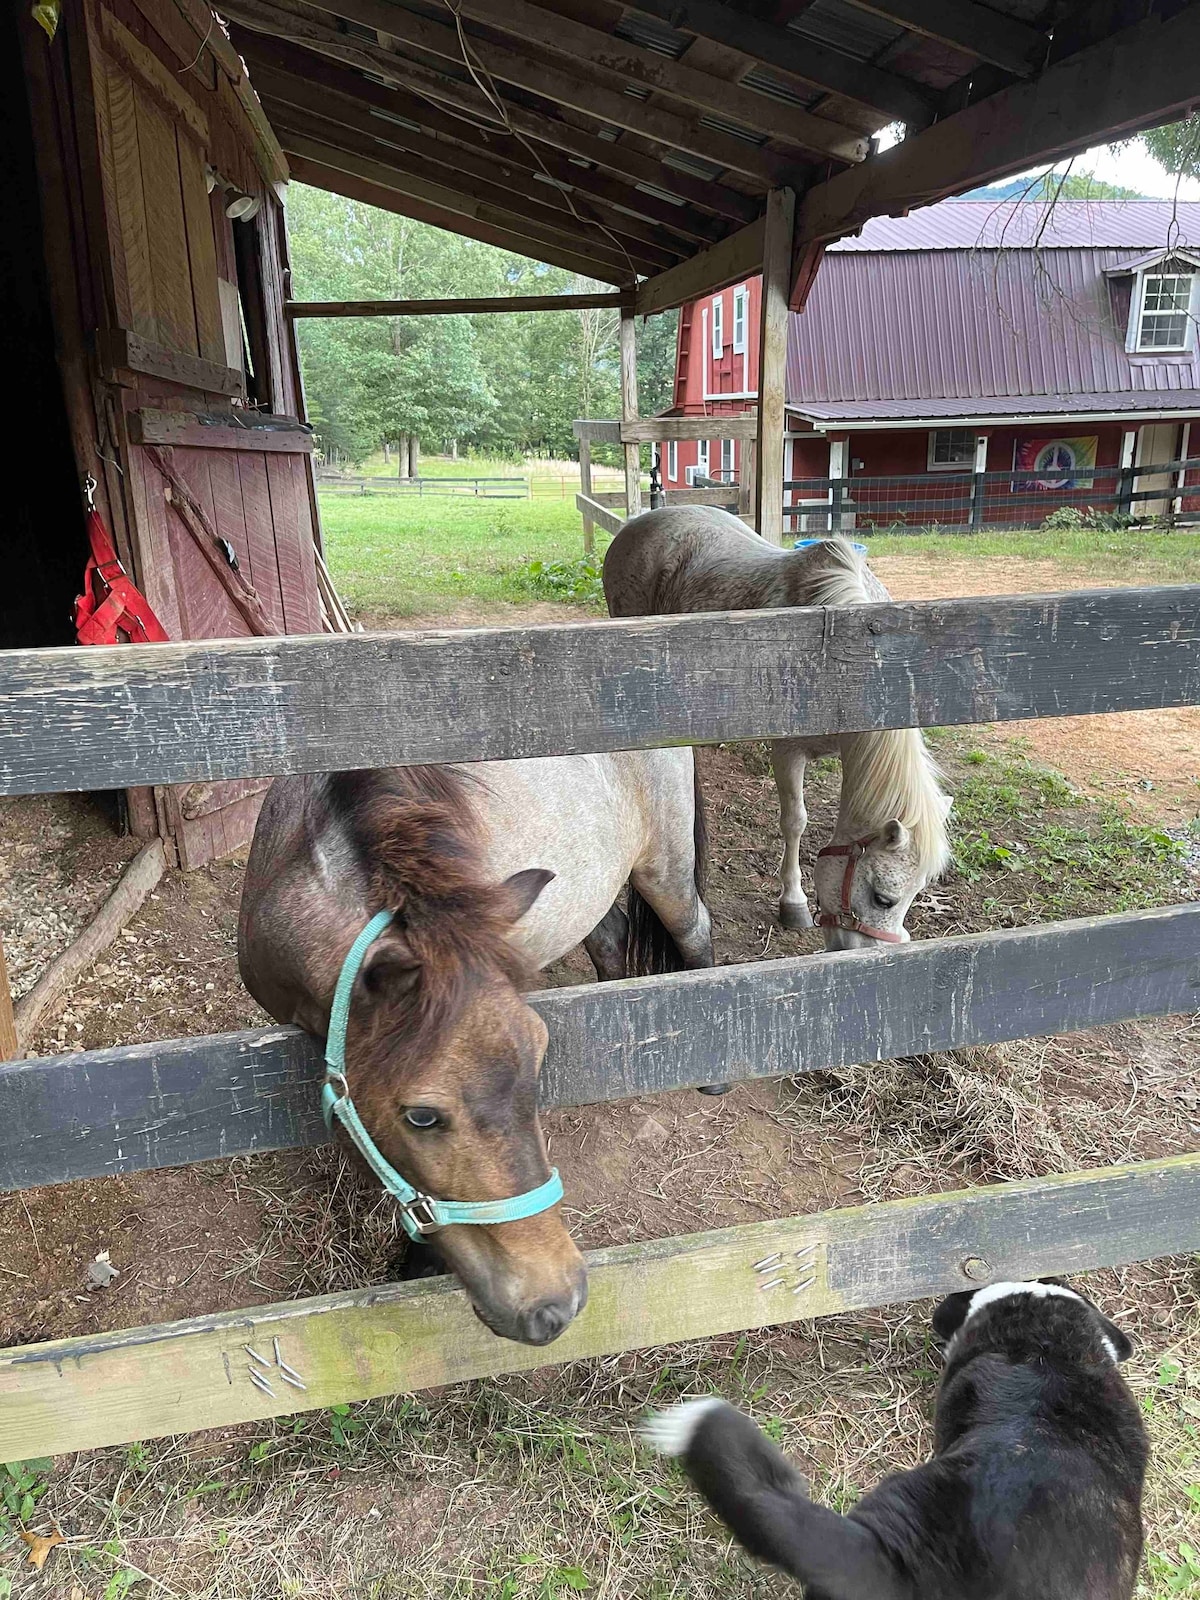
407,558
1134,555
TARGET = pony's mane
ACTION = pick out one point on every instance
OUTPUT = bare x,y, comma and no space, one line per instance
888,774
420,840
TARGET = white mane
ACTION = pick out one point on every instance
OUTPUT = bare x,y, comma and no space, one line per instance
891,774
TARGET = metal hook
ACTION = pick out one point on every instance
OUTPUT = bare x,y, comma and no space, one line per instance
89,489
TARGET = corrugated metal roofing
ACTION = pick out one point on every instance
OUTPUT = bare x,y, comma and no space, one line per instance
1007,224
906,329
844,27
1150,400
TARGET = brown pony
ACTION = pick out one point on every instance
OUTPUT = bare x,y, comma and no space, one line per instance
442,1050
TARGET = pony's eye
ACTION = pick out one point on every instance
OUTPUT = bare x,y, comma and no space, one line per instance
882,901
421,1117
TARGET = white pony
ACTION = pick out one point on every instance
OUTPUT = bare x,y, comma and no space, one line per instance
890,839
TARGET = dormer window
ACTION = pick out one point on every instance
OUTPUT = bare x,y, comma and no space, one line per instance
1164,303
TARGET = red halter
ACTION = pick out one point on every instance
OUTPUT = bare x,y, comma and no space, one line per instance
843,918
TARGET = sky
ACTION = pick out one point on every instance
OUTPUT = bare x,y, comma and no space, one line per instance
1131,165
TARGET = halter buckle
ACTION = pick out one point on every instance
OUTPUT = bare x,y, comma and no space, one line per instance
421,1211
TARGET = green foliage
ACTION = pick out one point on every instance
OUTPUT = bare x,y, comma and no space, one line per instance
511,383
1177,146
22,1485
575,582
1070,518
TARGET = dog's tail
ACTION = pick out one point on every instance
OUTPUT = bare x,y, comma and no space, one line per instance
764,1501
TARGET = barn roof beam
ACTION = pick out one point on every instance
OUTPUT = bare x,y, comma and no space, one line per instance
314,83
474,178
580,88
736,257
462,306
792,56
518,237
1144,74
975,29
618,159
616,263
607,53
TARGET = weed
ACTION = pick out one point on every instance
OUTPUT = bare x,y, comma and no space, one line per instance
572,582
22,1485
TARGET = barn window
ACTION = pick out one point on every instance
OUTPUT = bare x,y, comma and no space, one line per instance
718,344
726,460
672,459
1165,313
741,301
951,447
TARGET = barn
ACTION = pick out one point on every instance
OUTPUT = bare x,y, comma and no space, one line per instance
971,337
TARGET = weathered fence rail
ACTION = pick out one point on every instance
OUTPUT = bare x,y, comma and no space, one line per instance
75,1394
171,1102
118,716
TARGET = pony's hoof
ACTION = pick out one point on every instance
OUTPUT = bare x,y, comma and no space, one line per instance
795,916
715,1088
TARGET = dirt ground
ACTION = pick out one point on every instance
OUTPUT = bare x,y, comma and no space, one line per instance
278,1226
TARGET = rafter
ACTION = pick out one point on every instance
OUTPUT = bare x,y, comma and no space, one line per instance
536,233
338,181
1132,79
606,52
478,193
978,30
261,19
793,56
302,79
582,93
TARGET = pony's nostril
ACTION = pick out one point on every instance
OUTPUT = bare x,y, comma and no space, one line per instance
546,1321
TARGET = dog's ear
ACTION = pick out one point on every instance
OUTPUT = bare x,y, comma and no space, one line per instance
1121,1342
949,1317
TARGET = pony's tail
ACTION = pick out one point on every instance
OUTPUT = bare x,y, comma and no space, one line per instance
649,948
764,1501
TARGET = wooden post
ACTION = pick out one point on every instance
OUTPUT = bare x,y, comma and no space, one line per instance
749,478
629,412
1128,474
585,488
8,1027
979,481
772,377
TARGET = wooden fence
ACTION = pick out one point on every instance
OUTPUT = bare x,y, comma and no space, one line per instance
107,718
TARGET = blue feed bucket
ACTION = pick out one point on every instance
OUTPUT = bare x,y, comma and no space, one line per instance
804,544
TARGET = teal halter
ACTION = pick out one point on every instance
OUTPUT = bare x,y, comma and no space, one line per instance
420,1213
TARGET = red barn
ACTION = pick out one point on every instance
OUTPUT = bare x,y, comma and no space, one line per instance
971,336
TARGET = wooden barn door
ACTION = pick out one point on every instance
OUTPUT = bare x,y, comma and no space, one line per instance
202,372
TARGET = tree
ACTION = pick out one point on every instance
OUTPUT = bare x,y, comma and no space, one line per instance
1177,146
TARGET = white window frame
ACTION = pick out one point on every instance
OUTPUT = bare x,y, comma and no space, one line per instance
949,466
702,457
718,326
726,459
1138,313
741,315
672,460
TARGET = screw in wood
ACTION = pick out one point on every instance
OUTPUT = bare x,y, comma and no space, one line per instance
977,1268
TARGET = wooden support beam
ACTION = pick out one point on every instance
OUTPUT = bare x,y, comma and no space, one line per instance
481,182
585,495
110,1388
598,432
322,176
772,362
163,1104
976,29
463,307
791,55
592,511
1141,75
312,83
8,1026
566,88
658,430
629,410
618,160
610,54
739,255
464,200
114,717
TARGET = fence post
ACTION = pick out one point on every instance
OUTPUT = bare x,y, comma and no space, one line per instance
979,482
8,1027
747,486
629,411
1127,477
585,485
837,491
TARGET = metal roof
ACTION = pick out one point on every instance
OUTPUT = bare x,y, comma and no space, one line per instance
1148,402
901,332
1021,224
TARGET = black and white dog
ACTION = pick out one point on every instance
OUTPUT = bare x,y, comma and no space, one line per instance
1033,1492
